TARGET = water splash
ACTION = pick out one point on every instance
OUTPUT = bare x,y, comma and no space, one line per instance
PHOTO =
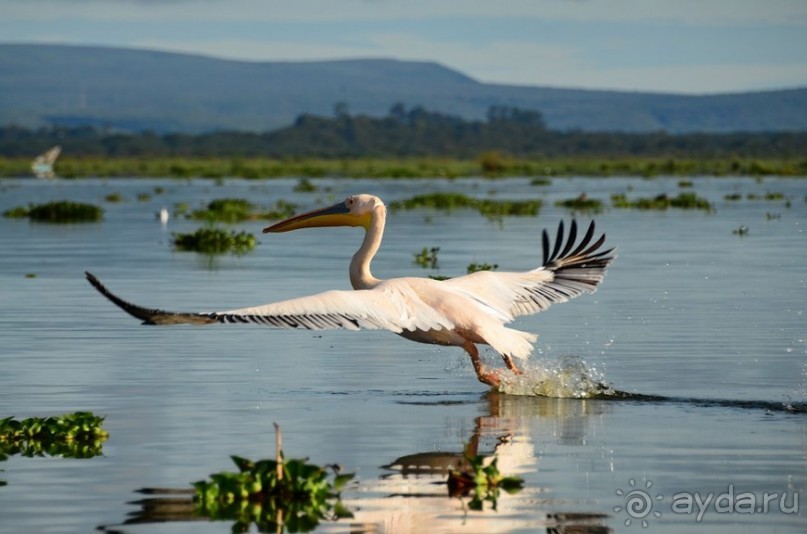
568,377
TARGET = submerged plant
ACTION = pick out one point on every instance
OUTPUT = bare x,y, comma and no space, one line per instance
60,211
215,241
479,477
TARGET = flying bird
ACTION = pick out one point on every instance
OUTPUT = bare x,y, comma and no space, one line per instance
464,311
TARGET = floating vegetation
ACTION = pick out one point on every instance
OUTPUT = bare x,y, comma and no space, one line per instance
227,210
30,275
733,197
60,211
114,197
427,258
215,241
772,216
685,183
233,210
487,207
305,186
541,181
663,201
741,231
74,435
581,204
480,479
143,197
274,494
474,267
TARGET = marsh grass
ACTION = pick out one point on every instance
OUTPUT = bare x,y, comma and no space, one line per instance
412,167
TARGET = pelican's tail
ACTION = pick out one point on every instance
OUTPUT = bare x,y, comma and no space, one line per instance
149,315
509,342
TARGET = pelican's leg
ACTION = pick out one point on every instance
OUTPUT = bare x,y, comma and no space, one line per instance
490,378
508,361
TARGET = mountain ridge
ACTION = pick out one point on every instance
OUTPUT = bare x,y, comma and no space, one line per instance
134,90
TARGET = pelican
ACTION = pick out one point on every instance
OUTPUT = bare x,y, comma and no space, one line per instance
465,311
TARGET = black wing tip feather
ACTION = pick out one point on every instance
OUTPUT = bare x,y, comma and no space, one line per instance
583,254
149,316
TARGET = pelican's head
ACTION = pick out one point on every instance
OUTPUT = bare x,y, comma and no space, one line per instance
355,210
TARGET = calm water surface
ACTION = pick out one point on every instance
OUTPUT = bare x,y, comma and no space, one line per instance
709,323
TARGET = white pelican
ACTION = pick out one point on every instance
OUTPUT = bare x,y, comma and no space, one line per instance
463,311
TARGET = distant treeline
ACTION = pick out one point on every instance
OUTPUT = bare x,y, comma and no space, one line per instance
403,132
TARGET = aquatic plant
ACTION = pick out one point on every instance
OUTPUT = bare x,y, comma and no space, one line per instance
427,258
73,435
227,210
215,241
732,197
474,267
114,197
60,211
741,231
479,477
274,494
686,200
304,185
581,203
450,201
233,210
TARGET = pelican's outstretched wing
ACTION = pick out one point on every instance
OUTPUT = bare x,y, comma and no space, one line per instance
569,269
394,307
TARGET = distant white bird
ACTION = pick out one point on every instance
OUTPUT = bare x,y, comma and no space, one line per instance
463,311
163,216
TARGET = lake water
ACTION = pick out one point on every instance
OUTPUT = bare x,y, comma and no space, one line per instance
709,325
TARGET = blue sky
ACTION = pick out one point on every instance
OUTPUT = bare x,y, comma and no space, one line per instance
683,46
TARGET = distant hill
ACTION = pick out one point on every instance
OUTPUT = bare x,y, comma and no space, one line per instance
136,90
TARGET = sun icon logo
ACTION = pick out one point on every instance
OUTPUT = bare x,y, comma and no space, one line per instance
638,503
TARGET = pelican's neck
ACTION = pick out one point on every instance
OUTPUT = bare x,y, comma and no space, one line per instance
360,275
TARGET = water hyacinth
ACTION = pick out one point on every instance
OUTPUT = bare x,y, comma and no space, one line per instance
60,211
274,494
233,210
487,207
478,477
74,435
215,241
687,201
